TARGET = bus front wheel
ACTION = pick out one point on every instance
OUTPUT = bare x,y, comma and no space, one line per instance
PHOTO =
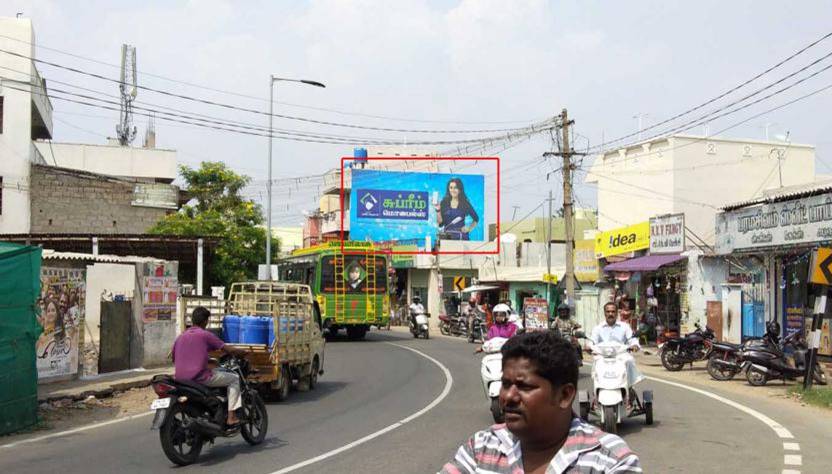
355,333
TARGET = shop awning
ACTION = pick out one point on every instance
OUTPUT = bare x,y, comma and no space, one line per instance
643,264
472,289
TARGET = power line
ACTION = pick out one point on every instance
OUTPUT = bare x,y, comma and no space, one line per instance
262,99
260,112
724,94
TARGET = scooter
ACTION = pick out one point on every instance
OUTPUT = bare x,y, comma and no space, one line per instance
613,398
419,325
491,371
764,363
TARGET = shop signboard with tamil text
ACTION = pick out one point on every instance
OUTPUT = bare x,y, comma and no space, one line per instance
536,312
667,234
797,221
623,240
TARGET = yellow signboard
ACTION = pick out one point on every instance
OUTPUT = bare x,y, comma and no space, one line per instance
821,273
551,278
459,283
586,265
623,240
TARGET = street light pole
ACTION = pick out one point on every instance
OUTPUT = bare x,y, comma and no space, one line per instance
272,80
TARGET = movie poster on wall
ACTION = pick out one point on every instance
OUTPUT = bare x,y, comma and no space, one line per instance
160,287
406,207
61,315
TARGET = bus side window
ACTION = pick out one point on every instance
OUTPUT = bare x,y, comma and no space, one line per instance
310,276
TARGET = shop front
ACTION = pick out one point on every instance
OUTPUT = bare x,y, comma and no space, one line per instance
779,233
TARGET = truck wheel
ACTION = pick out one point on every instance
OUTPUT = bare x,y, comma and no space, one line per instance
355,333
308,382
285,384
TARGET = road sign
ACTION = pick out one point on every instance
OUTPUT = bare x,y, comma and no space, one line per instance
821,268
459,283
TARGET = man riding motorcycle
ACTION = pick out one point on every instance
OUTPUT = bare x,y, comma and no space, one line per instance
566,326
416,308
190,359
614,330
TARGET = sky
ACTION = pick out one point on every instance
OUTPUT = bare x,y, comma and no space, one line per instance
438,65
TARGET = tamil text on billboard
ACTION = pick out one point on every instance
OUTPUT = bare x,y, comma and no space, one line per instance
667,234
402,206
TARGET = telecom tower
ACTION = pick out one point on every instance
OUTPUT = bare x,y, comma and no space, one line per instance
125,130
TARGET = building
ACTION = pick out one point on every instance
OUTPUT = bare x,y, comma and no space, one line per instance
25,116
291,238
694,176
769,242
534,230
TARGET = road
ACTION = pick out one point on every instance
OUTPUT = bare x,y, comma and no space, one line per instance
374,384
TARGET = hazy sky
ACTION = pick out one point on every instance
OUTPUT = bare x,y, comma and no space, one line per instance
459,61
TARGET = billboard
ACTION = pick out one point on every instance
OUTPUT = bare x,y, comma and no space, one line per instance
667,234
61,314
409,206
623,240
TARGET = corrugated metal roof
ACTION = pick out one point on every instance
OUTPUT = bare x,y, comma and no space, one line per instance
785,193
54,255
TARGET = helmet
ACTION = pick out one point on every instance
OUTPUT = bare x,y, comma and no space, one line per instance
417,299
563,307
501,308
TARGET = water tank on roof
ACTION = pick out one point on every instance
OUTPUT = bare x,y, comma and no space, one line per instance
360,155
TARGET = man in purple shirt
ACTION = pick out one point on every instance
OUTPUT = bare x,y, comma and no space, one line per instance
190,358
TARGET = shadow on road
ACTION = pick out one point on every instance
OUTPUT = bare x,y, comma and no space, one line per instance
221,454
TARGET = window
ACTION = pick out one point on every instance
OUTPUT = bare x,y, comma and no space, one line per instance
355,274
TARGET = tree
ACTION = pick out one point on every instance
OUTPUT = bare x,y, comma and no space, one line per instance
217,209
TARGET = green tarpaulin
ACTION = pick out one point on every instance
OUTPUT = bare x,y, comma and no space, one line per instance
19,329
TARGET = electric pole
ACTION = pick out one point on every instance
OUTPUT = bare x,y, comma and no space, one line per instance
566,154
549,257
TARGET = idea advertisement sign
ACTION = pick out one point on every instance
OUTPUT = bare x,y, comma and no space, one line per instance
399,206
622,240
667,234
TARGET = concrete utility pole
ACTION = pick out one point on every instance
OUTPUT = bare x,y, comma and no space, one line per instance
566,154
549,256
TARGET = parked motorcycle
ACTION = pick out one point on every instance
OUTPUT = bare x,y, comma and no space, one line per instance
188,414
419,325
491,372
677,352
447,325
727,359
788,361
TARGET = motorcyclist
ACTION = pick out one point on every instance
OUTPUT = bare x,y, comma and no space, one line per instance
471,316
416,308
190,358
501,327
614,330
567,326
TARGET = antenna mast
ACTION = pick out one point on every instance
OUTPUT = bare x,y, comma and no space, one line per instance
125,130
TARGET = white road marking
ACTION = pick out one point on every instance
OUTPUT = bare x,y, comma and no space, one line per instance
793,459
791,447
777,427
790,471
75,430
449,381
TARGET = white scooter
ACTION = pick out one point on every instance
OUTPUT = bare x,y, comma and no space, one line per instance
612,390
491,372
421,327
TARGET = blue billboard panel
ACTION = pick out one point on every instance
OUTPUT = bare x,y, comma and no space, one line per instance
404,206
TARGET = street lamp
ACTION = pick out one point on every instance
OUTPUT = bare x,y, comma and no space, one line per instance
272,80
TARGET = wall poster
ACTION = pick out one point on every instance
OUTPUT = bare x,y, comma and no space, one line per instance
61,306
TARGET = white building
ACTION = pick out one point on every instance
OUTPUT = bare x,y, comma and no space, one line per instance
25,115
693,175
26,131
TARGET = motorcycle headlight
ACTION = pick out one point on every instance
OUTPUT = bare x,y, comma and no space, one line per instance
608,352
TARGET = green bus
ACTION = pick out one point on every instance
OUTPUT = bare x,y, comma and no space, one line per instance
351,287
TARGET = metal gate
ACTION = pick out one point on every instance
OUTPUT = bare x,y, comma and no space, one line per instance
116,329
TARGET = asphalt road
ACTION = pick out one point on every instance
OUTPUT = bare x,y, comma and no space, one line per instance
373,384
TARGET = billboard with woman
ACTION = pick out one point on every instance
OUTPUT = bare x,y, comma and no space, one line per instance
61,314
403,206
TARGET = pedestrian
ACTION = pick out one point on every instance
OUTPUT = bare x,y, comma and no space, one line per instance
541,432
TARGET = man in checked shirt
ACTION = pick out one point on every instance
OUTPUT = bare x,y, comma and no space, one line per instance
541,433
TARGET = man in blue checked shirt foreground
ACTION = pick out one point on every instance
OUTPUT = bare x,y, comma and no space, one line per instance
541,433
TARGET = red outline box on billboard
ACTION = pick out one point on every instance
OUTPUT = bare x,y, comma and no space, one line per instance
496,161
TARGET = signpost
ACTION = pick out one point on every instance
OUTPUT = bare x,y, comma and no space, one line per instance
820,274
459,283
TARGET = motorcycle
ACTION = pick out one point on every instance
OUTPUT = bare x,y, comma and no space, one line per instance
447,325
788,361
727,359
491,372
479,330
613,399
572,336
189,414
677,352
419,325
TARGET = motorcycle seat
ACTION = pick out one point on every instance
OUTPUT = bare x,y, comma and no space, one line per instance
207,391
727,345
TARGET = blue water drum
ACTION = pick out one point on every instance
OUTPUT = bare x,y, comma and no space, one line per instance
231,328
254,330
270,330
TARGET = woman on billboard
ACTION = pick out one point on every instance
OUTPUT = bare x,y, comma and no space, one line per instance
452,211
